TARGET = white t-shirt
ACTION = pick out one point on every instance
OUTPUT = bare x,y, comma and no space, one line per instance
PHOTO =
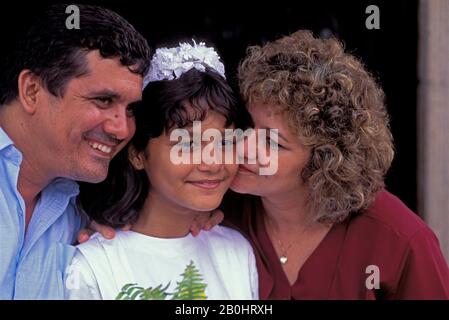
223,256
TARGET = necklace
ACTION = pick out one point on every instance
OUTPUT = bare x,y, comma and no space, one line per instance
283,258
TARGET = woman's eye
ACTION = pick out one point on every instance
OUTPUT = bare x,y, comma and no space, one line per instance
273,144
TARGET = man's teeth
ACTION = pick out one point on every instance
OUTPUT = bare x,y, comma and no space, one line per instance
100,147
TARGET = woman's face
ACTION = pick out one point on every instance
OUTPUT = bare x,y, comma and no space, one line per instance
198,187
292,157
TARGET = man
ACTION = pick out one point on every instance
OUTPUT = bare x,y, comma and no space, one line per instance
64,113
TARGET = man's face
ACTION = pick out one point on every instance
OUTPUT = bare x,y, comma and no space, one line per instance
81,132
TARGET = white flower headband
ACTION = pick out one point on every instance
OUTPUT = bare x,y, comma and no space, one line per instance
171,63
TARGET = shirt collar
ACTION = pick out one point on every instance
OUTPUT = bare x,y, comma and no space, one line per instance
5,140
7,148
63,187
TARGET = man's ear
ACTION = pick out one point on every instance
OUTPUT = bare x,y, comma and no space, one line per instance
137,158
30,89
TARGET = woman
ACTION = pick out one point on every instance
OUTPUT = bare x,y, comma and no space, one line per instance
323,226
160,198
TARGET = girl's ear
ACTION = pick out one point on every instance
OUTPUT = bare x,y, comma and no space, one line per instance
137,158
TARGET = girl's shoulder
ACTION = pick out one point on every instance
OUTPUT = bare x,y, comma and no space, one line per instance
224,238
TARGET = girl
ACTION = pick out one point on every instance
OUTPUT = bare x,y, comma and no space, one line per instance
160,197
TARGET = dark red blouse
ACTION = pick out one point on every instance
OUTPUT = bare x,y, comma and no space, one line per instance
388,235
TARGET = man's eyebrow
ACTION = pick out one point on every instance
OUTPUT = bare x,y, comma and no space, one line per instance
104,93
109,94
134,102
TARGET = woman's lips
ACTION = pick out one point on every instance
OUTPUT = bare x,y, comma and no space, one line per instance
243,169
206,184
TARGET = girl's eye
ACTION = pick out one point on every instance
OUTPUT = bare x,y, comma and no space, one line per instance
240,136
187,146
227,142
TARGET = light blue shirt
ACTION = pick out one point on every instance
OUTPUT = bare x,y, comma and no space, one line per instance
32,265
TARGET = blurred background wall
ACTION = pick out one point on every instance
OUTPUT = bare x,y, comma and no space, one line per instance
433,117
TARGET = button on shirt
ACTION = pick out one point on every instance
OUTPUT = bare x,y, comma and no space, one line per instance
32,265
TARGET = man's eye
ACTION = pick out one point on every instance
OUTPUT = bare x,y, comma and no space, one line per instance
103,101
130,111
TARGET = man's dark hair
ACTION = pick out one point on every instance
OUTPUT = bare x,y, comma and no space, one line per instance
57,54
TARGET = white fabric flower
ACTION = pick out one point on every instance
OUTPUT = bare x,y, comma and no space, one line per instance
171,63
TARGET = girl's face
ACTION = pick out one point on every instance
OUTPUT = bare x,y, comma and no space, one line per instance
198,187
292,157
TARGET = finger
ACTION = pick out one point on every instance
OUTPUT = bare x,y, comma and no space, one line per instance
105,231
216,217
195,229
198,223
83,236
126,227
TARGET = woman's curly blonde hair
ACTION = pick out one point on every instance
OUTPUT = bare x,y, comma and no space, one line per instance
337,110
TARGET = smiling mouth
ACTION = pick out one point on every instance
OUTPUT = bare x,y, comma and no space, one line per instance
101,147
206,184
104,144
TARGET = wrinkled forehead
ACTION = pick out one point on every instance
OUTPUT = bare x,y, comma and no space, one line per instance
109,76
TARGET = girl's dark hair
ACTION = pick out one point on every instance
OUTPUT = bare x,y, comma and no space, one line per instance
118,200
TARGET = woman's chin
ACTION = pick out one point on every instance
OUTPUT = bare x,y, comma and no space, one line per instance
240,188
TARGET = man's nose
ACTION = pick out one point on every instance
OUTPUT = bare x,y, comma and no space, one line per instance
119,124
